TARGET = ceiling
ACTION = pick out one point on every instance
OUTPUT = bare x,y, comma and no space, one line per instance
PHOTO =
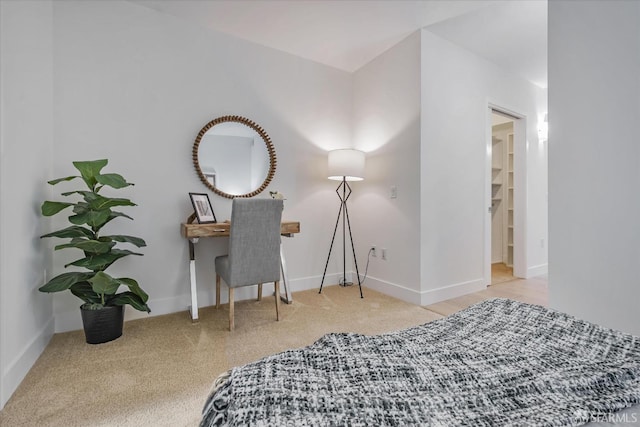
347,34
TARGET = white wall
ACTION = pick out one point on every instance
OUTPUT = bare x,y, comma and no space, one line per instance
594,161
457,87
420,112
26,128
136,86
386,123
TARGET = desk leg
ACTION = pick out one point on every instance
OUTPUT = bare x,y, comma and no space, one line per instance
192,277
285,279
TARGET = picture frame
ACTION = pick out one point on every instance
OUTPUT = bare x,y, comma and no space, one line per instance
202,207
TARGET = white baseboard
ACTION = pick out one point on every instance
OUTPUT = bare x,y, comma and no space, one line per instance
433,296
72,321
427,297
537,270
393,289
314,282
295,285
18,368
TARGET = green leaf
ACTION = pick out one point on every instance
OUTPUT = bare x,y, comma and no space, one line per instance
134,287
94,219
103,261
92,246
81,207
104,284
115,214
51,208
127,239
67,178
89,170
125,252
129,298
84,193
84,291
64,281
99,203
112,180
72,231
94,263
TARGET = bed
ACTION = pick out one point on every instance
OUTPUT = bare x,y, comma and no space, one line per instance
497,363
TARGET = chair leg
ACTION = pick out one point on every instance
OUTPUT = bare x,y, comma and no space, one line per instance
259,291
277,300
217,291
231,309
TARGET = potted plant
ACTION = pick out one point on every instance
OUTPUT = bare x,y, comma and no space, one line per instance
103,308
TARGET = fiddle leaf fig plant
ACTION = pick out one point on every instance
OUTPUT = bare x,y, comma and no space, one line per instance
90,212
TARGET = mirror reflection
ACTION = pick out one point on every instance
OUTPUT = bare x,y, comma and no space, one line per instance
234,157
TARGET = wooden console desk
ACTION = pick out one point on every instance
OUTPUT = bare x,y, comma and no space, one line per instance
193,232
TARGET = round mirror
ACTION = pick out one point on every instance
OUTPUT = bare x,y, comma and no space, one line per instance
234,157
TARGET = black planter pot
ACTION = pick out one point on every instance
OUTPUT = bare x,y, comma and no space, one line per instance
103,325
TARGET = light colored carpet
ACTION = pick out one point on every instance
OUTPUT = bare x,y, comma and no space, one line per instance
160,371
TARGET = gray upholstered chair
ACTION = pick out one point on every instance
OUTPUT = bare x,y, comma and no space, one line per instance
254,249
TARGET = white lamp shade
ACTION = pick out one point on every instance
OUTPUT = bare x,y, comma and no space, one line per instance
346,164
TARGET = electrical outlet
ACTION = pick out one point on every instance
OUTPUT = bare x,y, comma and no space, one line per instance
374,251
393,192
384,253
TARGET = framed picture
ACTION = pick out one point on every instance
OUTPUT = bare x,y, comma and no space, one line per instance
202,207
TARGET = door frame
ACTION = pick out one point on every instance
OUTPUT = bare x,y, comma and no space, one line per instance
519,191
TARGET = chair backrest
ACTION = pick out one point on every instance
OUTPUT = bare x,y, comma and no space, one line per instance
254,241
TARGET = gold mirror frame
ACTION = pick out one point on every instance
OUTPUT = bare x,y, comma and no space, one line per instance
255,127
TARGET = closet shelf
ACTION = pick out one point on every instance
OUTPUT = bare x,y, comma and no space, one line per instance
510,202
502,186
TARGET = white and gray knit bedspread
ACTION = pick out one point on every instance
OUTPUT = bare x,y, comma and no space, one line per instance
497,363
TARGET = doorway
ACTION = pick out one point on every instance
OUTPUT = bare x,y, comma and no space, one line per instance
504,225
502,177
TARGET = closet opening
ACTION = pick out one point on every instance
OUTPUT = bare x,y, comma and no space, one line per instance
504,230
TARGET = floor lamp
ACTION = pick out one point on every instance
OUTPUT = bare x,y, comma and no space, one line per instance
344,165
